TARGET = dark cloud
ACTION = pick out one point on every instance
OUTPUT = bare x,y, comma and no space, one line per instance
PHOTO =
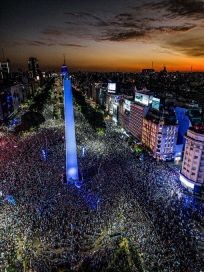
144,32
100,22
70,23
182,28
129,20
189,8
124,36
37,43
72,45
52,32
189,46
76,14
143,22
183,8
90,19
42,43
133,25
124,16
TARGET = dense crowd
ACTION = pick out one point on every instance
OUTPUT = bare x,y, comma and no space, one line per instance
58,225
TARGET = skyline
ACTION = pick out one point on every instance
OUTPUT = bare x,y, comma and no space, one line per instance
115,36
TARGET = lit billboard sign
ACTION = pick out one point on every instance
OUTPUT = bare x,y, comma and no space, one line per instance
143,98
155,103
127,105
111,87
115,113
117,99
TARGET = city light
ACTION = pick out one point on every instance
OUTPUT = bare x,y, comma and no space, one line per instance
102,136
71,155
186,182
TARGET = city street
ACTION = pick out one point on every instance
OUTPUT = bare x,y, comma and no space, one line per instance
53,224
102,136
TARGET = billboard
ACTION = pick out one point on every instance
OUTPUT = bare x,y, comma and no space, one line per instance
111,87
117,99
115,113
155,103
127,104
143,98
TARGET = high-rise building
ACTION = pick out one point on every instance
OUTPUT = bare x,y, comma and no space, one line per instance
124,112
5,69
137,113
33,67
138,110
159,134
112,105
192,172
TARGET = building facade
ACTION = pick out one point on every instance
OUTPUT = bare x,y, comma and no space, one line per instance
159,134
124,113
192,172
5,69
33,67
112,106
160,138
137,113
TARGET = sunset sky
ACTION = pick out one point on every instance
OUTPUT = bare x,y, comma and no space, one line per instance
104,35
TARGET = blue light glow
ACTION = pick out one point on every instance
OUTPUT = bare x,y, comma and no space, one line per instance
71,155
83,151
44,154
186,183
77,184
10,199
64,70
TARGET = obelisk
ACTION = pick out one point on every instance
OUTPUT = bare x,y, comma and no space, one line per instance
72,174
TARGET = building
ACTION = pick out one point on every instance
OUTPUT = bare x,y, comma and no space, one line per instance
137,113
6,102
12,94
33,67
96,91
5,69
159,134
192,172
138,110
124,112
1,113
102,97
112,106
18,95
148,71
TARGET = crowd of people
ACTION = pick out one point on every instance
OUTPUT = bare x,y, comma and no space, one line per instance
54,224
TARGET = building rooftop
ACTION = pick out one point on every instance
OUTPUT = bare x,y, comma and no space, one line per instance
197,129
145,91
167,116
